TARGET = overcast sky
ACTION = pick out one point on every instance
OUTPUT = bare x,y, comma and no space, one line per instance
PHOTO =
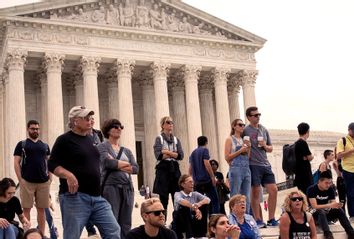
305,67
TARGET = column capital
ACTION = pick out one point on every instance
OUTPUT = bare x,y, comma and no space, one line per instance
220,75
206,83
89,64
247,77
4,78
125,66
16,59
191,72
233,84
53,62
159,70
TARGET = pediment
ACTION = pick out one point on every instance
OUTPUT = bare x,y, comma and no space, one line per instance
171,16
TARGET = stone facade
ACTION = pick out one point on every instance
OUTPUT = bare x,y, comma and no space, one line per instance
134,60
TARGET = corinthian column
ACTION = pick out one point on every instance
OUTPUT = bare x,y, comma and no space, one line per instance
149,128
79,88
112,87
53,64
2,122
248,81
194,123
42,76
89,66
222,112
207,110
125,101
176,84
233,89
159,73
15,116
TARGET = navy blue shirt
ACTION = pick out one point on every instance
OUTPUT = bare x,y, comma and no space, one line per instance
34,162
199,172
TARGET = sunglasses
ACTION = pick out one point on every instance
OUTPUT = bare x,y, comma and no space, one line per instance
294,199
256,115
241,125
169,122
117,126
157,212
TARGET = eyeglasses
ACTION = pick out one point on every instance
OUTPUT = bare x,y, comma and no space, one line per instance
117,126
157,212
240,202
87,118
169,122
294,199
241,125
34,129
256,115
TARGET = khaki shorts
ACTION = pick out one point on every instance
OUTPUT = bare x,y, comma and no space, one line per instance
38,192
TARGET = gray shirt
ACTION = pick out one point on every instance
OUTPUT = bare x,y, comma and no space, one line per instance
107,163
192,197
258,154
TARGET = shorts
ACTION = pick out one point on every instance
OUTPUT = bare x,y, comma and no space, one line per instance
38,192
261,175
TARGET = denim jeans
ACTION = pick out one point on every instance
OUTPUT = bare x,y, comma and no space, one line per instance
79,208
240,183
9,232
49,219
349,182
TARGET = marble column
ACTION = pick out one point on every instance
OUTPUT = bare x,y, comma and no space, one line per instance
233,89
79,88
44,106
15,118
176,84
159,73
248,81
125,102
89,66
149,161
53,64
222,112
3,76
194,122
112,87
207,111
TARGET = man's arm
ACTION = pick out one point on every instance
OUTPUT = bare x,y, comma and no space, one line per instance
331,204
17,166
71,180
210,171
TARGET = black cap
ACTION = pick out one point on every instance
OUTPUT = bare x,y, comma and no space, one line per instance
351,126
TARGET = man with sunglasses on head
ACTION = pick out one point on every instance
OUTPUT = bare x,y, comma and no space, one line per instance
261,170
153,215
76,161
30,162
322,198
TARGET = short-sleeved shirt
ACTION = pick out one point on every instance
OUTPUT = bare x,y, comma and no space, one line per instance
34,167
193,197
258,154
77,154
303,171
199,172
139,233
347,162
10,208
322,197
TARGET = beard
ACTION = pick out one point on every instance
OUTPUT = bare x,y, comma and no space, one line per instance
33,135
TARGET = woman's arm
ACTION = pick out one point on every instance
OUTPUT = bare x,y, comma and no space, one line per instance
26,224
228,146
313,228
284,226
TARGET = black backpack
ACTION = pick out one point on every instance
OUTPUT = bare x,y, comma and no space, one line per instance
289,159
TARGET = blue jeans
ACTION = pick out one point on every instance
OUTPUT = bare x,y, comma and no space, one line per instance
9,232
349,182
49,219
79,208
240,183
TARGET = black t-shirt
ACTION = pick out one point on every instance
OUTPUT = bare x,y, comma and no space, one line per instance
34,163
303,171
8,210
322,197
139,233
77,154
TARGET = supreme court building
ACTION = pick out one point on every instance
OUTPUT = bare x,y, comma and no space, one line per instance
134,60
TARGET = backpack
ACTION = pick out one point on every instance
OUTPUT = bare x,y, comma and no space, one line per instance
289,159
316,176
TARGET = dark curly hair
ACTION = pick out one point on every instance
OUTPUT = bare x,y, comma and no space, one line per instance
109,124
5,183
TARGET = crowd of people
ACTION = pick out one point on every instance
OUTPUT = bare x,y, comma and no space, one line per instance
96,189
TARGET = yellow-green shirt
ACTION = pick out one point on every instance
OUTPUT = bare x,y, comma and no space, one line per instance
348,161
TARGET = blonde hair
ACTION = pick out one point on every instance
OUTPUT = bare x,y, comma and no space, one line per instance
236,198
147,203
163,121
287,201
